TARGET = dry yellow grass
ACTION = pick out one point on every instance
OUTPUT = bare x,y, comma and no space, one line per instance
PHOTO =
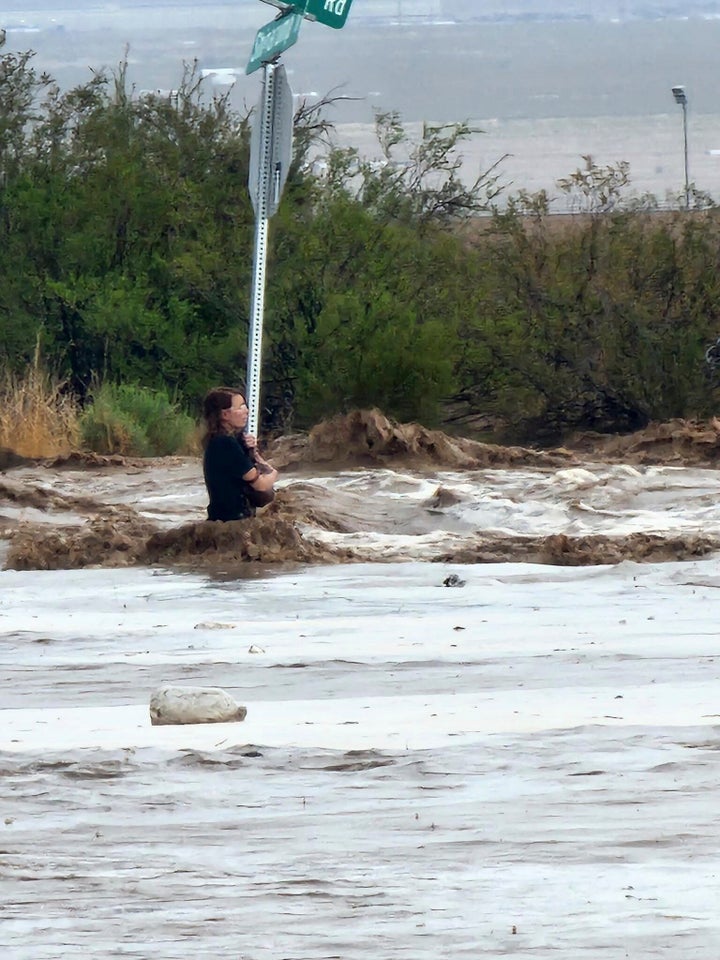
37,418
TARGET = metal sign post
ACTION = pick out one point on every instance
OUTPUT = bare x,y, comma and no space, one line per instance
271,153
270,156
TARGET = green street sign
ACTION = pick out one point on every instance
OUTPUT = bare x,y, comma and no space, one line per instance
273,38
333,13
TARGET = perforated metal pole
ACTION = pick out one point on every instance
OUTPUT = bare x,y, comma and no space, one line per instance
687,176
257,302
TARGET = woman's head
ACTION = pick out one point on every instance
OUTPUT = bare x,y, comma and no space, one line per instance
225,411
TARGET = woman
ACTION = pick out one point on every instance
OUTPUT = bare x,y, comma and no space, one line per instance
231,462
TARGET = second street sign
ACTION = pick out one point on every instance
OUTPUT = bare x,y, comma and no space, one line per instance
333,13
272,39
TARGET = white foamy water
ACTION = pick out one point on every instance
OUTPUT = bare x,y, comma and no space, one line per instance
523,765
397,508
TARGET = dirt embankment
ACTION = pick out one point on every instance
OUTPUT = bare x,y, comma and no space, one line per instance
367,437
274,538
121,538
561,550
682,443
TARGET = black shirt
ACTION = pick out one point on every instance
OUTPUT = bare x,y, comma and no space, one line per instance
225,463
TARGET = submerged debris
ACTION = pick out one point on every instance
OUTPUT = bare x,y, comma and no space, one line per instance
453,581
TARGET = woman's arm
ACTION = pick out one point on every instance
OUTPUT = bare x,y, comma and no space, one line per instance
264,475
263,481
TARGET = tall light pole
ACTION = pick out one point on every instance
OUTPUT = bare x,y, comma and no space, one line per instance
681,98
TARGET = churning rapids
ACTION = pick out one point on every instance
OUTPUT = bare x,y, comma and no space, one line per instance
363,488
513,749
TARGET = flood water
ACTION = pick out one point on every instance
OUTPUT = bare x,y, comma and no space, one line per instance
439,758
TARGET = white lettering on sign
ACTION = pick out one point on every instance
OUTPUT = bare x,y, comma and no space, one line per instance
280,35
336,6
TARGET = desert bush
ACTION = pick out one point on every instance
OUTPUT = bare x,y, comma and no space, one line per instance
135,421
599,321
126,236
38,417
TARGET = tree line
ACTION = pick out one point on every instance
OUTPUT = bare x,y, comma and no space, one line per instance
126,237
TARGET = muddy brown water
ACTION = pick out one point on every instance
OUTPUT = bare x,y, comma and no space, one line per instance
521,764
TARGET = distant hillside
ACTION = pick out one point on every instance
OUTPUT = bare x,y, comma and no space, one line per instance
413,10
528,10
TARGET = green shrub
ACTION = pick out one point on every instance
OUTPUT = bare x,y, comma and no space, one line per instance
135,421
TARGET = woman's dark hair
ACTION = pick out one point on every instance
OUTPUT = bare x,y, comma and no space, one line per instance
217,400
